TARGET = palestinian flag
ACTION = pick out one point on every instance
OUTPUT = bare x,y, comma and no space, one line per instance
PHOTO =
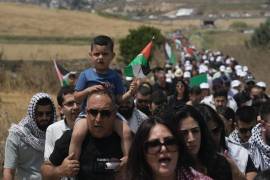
62,74
139,66
169,54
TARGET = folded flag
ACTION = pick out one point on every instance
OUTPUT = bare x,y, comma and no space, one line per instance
139,66
169,54
62,74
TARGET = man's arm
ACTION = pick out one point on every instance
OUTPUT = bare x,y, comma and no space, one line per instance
8,174
68,168
11,156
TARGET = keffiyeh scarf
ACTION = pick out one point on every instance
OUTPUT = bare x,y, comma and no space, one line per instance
259,146
27,128
235,137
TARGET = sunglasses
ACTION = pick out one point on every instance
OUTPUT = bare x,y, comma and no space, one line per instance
154,146
141,101
103,113
245,130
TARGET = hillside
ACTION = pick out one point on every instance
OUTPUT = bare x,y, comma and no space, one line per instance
29,32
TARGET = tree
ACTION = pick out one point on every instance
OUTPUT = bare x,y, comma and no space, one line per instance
136,40
261,36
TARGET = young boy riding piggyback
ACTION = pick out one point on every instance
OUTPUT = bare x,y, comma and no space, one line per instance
97,78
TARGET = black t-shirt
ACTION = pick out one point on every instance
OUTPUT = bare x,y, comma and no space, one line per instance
250,166
221,169
95,152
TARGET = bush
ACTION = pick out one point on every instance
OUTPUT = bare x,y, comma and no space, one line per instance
239,25
261,36
136,40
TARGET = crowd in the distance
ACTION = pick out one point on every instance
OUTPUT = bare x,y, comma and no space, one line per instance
163,126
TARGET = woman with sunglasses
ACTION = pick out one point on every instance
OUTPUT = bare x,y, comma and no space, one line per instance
238,157
157,154
200,144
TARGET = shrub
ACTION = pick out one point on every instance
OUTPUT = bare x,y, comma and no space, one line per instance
135,41
239,25
261,36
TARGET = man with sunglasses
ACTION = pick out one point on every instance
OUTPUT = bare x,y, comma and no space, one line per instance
69,110
245,121
101,149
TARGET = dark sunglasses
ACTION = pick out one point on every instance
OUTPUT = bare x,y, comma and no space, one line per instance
140,101
154,146
103,113
245,130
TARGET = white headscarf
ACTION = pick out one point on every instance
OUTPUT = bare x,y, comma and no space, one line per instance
27,128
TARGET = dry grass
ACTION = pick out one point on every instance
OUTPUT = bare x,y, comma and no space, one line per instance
13,106
31,20
42,52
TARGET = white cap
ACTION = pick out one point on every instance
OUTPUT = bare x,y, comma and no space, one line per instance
178,73
187,63
188,67
212,58
129,78
206,62
222,68
204,57
187,74
219,59
235,83
237,67
229,70
228,61
241,73
261,84
203,69
245,68
204,85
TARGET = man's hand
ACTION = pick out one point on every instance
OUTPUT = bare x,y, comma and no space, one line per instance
69,167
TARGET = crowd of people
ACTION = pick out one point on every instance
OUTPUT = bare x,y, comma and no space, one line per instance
152,128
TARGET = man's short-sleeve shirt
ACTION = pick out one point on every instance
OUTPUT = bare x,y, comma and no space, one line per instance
92,150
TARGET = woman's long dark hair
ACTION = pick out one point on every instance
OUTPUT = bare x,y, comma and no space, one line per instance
208,150
209,114
137,166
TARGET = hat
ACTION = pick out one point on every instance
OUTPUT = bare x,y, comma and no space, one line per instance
129,78
188,67
178,73
235,83
203,69
229,70
261,84
238,67
187,74
204,85
222,68
245,68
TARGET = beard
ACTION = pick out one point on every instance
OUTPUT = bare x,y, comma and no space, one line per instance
145,110
43,125
126,112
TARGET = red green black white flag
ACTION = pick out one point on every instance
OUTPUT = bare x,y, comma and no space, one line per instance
139,66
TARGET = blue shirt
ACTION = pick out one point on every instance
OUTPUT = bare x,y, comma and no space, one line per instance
90,77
